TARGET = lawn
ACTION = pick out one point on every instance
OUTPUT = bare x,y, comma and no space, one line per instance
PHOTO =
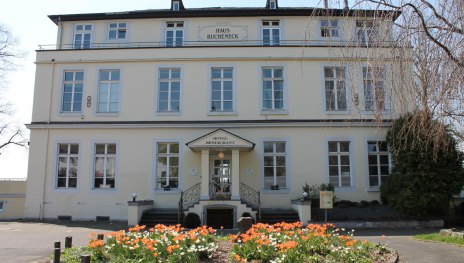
440,238
263,243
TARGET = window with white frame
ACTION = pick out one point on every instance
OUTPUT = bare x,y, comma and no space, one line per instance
169,90
275,172
175,6
272,4
271,32
68,161
339,163
167,165
329,28
273,88
221,89
108,91
174,34
2,205
105,165
366,32
73,88
82,36
374,89
335,89
379,162
117,31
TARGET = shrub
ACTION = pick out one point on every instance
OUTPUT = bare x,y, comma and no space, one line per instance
192,220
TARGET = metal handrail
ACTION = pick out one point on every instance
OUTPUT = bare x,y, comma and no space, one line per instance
249,43
249,196
189,197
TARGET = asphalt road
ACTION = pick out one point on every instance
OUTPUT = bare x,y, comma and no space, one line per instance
25,242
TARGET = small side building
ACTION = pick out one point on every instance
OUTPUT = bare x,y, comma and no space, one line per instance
12,198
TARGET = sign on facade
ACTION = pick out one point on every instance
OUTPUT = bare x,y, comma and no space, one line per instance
223,32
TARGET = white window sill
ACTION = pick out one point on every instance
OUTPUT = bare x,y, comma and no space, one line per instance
173,191
345,189
107,114
344,112
274,112
373,189
70,114
222,113
168,113
280,191
66,190
373,112
103,189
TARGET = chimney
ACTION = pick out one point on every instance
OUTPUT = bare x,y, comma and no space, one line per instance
326,4
346,8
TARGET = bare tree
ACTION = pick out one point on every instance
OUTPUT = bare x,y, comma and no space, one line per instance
10,132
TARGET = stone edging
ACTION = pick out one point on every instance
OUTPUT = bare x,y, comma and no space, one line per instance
390,224
451,232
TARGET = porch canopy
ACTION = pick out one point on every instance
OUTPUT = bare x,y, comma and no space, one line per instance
220,140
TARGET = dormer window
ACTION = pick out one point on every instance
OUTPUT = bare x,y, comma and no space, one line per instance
272,4
175,6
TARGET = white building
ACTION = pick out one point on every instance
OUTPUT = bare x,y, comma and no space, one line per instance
225,102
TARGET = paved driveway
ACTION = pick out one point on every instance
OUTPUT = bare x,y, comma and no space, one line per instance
22,242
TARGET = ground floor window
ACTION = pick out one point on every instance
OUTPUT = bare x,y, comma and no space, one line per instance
167,166
339,164
379,162
275,174
105,165
68,161
2,205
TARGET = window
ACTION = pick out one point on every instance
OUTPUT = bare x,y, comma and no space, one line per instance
105,165
169,90
374,88
335,89
82,36
275,165
167,165
329,28
273,89
73,87
174,34
2,206
117,31
366,32
68,161
339,164
379,162
221,89
271,33
272,4
175,6
108,91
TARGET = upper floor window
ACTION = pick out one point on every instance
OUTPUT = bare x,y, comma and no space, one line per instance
221,89
374,89
275,163
169,90
335,89
379,163
174,34
366,32
82,36
108,90
273,88
271,32
167,165
175,6
68,161
339,163
73,87
117,31
105,165
329,28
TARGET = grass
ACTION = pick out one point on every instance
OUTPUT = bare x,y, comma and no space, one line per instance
442,239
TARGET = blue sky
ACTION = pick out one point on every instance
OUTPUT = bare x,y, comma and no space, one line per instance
29,23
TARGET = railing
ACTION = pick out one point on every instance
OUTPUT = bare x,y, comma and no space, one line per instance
251,197
189,197
13,179
247,43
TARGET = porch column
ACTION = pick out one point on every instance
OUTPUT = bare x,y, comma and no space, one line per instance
235,175
204,175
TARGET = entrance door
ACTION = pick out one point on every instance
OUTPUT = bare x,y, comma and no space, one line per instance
217,218
221,181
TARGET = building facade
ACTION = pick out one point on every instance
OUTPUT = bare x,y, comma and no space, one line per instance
216,104
12,198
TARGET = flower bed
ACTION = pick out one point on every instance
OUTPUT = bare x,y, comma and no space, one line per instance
263,243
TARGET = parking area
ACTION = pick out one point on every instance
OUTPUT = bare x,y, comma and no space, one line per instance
22,242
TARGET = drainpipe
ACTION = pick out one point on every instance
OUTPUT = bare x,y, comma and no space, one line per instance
42,208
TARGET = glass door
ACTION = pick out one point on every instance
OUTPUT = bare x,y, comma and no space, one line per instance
221,181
